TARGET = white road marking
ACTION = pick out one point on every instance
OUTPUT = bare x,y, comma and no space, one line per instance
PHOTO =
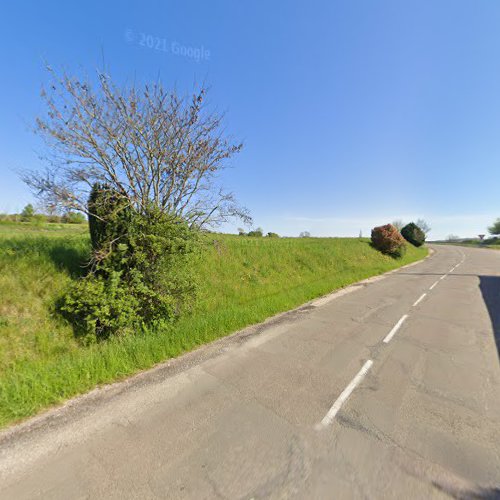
422,297
344,395
396,327
337,405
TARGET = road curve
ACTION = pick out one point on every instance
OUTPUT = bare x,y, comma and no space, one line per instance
389,391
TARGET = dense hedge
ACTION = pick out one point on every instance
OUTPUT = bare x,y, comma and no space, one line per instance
140,272
109,218
413,234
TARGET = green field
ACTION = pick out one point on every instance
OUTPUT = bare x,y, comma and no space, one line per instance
242,281
494,244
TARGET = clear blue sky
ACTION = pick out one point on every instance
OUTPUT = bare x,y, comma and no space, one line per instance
353,113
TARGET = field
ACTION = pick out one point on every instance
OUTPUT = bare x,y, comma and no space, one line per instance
242,281
493,243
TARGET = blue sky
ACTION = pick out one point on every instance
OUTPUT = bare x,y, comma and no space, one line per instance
353,113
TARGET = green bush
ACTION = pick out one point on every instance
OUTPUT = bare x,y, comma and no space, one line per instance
413,234
256,233
273,235
73,218
109,218
143,278
27,213
98,306
388,240
162,249
38,219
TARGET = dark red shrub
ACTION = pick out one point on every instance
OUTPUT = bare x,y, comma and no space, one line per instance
388,240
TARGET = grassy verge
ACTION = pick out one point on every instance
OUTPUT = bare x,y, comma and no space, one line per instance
242,281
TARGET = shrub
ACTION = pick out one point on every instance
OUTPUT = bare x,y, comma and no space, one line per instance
38,219
273,235
143,278
162,249
98,306
388,240
256,233
109,219
27,213
73,218
413,234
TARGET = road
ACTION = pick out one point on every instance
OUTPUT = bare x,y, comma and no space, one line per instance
390,389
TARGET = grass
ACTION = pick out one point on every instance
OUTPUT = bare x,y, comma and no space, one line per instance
243,281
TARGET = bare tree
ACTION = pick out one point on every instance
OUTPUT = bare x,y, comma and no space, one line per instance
149,145
398,224
423,225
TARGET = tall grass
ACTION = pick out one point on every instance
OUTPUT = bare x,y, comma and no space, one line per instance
242,281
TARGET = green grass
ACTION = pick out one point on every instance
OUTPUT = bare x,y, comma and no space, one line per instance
243,281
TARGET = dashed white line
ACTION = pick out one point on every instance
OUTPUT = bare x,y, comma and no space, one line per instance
396,327
433,285
443,277
422,297
327,419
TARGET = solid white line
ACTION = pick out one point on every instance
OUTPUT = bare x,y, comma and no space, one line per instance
345,394
396,327
443,277
433,285
422,297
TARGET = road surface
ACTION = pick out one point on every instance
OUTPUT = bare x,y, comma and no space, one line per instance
390,389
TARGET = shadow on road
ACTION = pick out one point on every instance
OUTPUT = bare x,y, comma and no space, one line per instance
490,288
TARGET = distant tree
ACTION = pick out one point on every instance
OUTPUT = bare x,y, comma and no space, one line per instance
152,147
27,213
256,232
453,237
422,224
494,229
398,224
305,234
241,231
273,235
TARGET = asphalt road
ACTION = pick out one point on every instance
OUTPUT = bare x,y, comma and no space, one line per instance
378,392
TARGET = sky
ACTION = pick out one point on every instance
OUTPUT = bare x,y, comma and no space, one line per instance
353,113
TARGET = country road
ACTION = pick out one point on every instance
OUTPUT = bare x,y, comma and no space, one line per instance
390,389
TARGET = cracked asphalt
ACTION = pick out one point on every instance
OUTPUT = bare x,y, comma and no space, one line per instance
239,418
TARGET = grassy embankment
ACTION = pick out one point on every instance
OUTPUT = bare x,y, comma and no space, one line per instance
242,281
